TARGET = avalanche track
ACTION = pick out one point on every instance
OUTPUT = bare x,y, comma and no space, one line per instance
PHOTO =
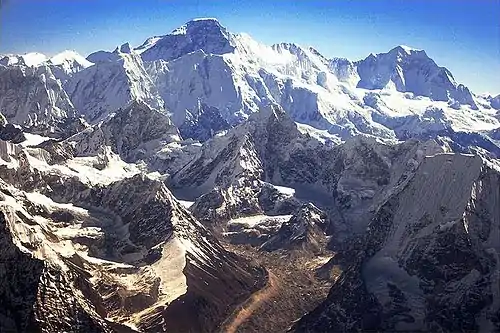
248,307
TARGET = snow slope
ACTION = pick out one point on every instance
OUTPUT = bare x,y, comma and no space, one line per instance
210,79
109,85
33,97
67,63
235,75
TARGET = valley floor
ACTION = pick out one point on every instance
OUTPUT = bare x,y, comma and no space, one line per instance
292,290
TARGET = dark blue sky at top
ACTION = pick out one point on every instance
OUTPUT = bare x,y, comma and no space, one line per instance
462,35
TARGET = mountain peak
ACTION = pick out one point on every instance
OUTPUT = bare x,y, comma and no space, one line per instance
205,19
124,48
205,24
205,34
405,48
403,51
33,59
69,56
411,70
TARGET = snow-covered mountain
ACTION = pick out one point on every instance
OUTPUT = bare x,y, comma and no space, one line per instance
116,79
63,64
128,178
67,63
33,97
32,59
199,34
203,62
32,93
409,70
209,79
134,133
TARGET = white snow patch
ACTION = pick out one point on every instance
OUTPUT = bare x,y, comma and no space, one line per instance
408,49
252,221
34,59
285,190
70,56
194,250
33,139
84,167
115,170
185,203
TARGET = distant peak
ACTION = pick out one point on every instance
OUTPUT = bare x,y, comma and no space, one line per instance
405,49
196,24
69,56
124,48
213,19
66,53
34,59
199,34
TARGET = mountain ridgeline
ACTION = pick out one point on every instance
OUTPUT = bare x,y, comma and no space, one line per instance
205,182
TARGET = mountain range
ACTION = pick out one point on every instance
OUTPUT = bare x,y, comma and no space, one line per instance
170,186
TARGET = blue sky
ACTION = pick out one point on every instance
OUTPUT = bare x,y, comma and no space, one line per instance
462,35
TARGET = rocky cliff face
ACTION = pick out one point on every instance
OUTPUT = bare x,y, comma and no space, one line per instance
34,98
134,133
429,257
203,123
38,296
348,180
304,231
130,255
495,102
